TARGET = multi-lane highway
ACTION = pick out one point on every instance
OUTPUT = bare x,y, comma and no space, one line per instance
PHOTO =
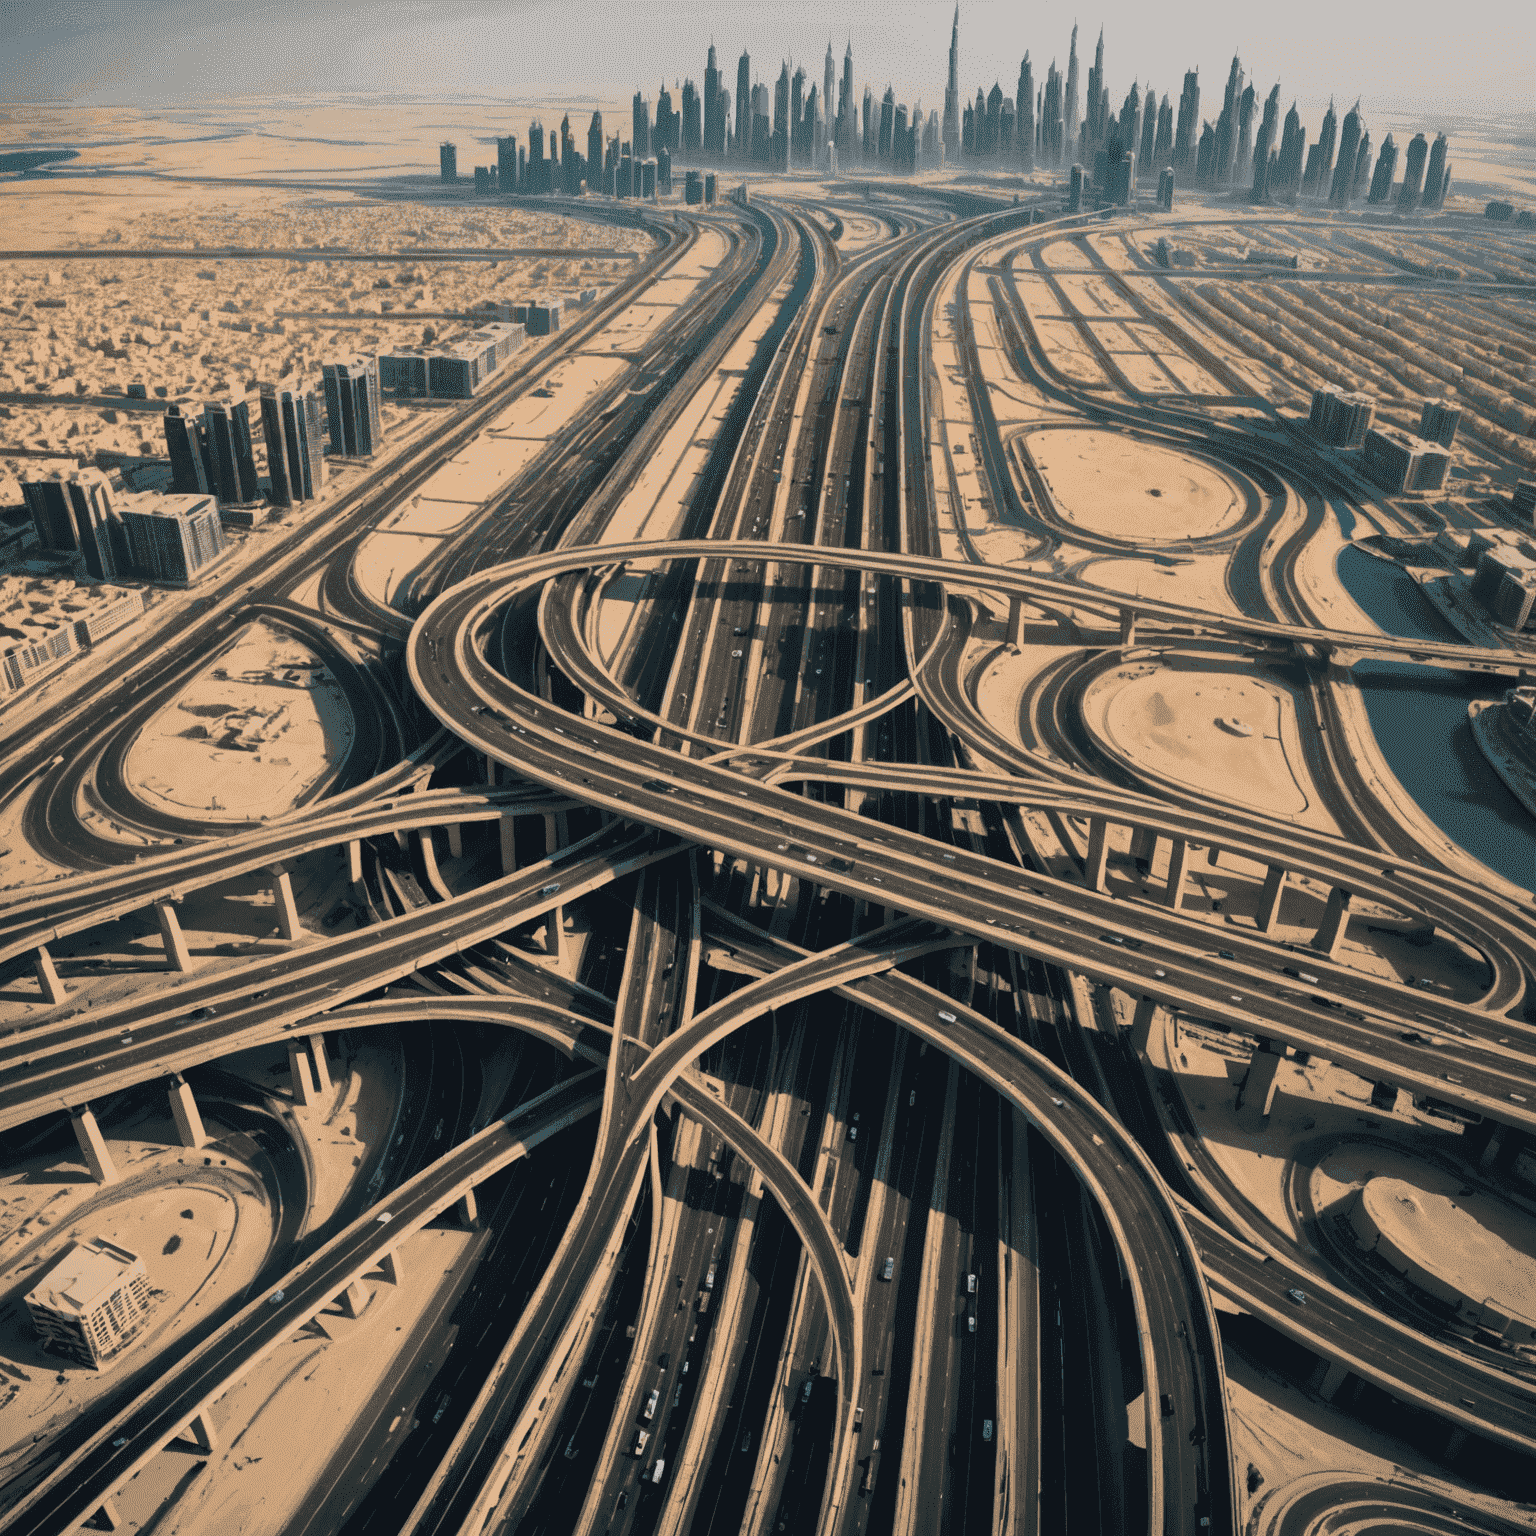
864,1244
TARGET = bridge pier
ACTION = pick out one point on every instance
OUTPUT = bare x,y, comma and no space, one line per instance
355,861
1270,897
1178,873
1334,1377
185,1113
107,1515
1143,845
392,1267
455,840
47,977
1258,1091
1098,854
299,1071
554,935
1015,621
177,956
428,854
321,1065
93,1146
1127,626
468,1209
1335,922
1141,1023
507,827
353,1300
287,908
201,1429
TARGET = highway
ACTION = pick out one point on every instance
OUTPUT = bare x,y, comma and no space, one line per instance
824,1010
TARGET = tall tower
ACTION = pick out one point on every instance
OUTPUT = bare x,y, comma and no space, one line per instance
1343,184
846,110
714,118
952,94
828,100
1438,179
1413,173
1024,115
1069,104
744,107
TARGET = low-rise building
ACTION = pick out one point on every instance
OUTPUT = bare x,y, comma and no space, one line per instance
91,1303
45,620
1402,464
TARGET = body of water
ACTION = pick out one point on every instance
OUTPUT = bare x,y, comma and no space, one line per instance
1419,716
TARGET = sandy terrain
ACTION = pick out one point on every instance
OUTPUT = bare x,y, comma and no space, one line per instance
1115,486
254,733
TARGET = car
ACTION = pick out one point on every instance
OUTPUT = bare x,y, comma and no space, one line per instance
623,1498
807,1389
858,1416
970,1285
945,1017
970,1322
739,630
1167,1402
666,1359
912,1098
202,1013
657,1470
709,1279
986,1429
853,1127
570,1449
889,1269
120,1442
649,1411
276,1298
550,889
1297,1295
386,1217
642,1438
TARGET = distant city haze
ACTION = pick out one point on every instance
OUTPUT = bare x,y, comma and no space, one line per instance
1470,58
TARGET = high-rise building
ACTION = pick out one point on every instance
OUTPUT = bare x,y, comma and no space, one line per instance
1165,189
1188,125
1319,171
352,406
1362,168
1095,79
172,538
1162,148
1147,147
1439,421
231,461
74,509
1242,163
1052,136
1075,189
448,162
828,103
1293,146
640,127
290,420
184,442
744,106
1129,131
845,110
594,152
1024,115
868,136
1437,182
1413,173
693,121
506,163
1265,142
887,123
714,117
1386,170
797,116
1226,126
1341,419
781,118
952,94
91,1303
1343,184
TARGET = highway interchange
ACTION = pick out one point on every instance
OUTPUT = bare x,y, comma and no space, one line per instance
892,1232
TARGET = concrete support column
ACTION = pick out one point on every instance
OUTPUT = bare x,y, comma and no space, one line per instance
298,1070
1098,853
355,861
184,1111
1270,897
1388,1098
93,1146
1178,873
287,909
1258,1093
1333,1378
1335,922
551,834
468,1209
321,1065
353,1300
554,935
428,855
204,1436
1127,626
1143,844
47,977
393,1268
1491,1151
176,953
508,828
1015,621
1141,1023
490,771
107,1514
455,840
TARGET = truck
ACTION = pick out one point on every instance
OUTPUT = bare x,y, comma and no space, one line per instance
709,1279
649,1412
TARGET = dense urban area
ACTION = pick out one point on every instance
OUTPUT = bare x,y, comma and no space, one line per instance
933,712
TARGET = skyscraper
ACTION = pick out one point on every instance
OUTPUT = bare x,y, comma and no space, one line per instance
714,117
867,135
1242,161
290,421
1293,148
952,94
352,405
1438,180
1188,126
1069,102
1362,168
1413,173
1266,140
1024,114
845,108
595,165
448,162
744,106
231,463
74,509
1342,185
188,453
1162,147
640,126
828,99
1320,167
1226,125
781,118
1051,131
506,163
692,135
1386,170
1148,145
887,123
797,116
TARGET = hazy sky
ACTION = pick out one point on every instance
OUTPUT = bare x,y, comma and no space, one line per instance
1475,54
